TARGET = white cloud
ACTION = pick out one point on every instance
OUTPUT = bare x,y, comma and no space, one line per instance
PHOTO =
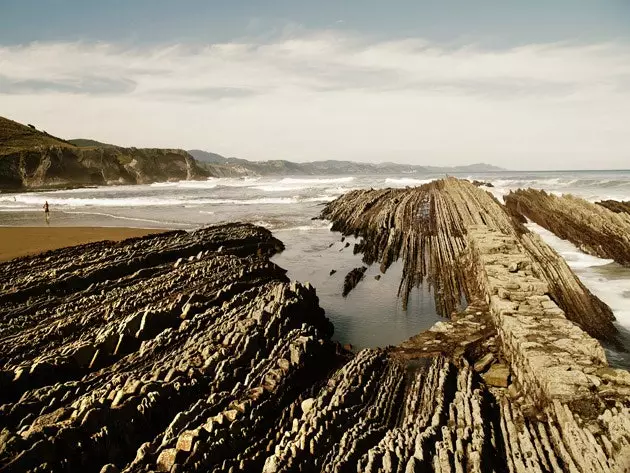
334,96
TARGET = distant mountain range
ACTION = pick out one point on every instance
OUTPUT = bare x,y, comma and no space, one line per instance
218,163
33,159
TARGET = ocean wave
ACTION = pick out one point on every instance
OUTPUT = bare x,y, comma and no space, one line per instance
324,180
603,277
279,188
185,185
563,183
19,209
122,217
407,181
210,183
267,200
36,201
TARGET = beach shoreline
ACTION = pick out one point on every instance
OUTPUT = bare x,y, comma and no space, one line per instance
24,241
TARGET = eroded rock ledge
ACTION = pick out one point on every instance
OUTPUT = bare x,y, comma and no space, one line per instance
426,227
616,205
557,401
593,228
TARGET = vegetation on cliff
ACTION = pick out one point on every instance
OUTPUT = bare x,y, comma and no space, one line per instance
34,159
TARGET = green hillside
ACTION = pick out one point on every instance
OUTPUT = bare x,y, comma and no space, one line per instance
87,143
16,137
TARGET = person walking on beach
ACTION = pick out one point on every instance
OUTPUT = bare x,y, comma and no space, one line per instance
47,212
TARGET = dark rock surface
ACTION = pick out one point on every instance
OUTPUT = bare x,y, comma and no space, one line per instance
115,345
593,228
616,205
352,279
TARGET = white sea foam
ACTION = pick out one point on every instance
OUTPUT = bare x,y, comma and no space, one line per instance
19,209
122,217
279,188
186,185
324,180
35,201
603,277
210,183
407,181
54,200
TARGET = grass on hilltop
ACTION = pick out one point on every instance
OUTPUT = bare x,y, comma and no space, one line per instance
87,143
16,137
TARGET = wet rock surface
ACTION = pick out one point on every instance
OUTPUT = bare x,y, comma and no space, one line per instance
353,278
591,227
616,205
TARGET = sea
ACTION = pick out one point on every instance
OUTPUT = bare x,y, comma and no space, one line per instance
372,314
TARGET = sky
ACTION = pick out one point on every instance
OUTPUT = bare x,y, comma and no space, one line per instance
522,85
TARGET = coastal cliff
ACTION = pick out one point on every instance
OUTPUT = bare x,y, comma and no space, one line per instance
31,159
55,167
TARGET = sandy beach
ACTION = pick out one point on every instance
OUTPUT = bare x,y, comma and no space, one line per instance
22,241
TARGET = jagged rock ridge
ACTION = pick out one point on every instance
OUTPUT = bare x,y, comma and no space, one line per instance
616,205
593,228
426,227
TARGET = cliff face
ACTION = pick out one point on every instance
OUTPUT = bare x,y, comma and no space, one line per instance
56,166
30,158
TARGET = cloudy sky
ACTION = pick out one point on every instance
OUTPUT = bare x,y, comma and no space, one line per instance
524,85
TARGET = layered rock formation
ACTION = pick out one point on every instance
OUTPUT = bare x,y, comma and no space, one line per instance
193,352
56,166
426,227
119,348
616,205
557,403
593,228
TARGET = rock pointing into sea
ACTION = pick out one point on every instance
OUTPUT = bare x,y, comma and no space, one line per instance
164,354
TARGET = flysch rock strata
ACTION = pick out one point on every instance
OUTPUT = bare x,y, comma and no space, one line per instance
616,205
110,351
192,352
593,228
426,228
546,383
557,366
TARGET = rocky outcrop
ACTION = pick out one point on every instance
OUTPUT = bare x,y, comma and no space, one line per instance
353,278
193,352
62,166
123,348
426,228
593,228
616,205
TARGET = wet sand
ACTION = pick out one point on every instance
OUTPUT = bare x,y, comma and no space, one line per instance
22,241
